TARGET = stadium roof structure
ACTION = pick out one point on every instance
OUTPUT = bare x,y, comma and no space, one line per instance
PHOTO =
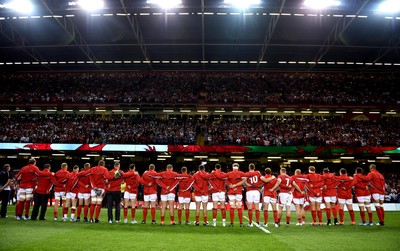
200,35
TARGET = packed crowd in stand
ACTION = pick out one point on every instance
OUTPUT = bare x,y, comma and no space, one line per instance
86,189
204,88
272,131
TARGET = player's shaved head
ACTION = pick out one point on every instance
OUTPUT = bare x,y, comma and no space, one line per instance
359,170
372,167
297,171
64,165
32,161
102,163
311,169
184,169
86,166
343,171
169,167
252,167
152,167
268,170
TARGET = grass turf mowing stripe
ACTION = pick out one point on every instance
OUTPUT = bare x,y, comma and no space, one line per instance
259,226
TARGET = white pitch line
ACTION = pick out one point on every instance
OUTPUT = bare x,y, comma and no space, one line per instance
260,227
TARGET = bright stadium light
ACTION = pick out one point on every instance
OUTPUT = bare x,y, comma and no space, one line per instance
321,4
242,4
89,5
23,6
391,6
166,4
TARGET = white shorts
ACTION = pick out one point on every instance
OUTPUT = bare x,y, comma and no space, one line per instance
364,199
25,190
203,198
130,196
330,199
150,197
253,196
57,195
183,200
285,199
168,197
25,194
268,199
316,199
298,201
377,196
235,197
220,196
345,201
85,196
71,196
93,192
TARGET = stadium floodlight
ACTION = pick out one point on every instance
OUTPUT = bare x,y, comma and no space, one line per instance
23,6
89,5
242,4
321,4
391,6
166,4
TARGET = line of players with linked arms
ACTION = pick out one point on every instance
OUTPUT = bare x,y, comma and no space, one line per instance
88,187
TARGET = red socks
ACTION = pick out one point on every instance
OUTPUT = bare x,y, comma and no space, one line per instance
92,207
78,214
232,215
145,210
133,213
179,215
98,209
153,213
187,214
214,213
265,216
314,215
240,213
250,213
362,214
341,215
352,215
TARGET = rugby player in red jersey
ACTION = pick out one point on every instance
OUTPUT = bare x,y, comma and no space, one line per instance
60,190
184,196
42,193
218,193
363,195
377,189
83,195
235,181
71,193
150,193
285,196
329,194
201,193
98,175
269,197
113,191
130,195
27,177
345,196
253,184
314,189
299,195
168,183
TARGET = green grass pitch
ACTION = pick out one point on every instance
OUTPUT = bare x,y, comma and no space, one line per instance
51,235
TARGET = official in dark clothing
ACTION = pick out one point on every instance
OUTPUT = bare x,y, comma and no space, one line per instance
5,180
